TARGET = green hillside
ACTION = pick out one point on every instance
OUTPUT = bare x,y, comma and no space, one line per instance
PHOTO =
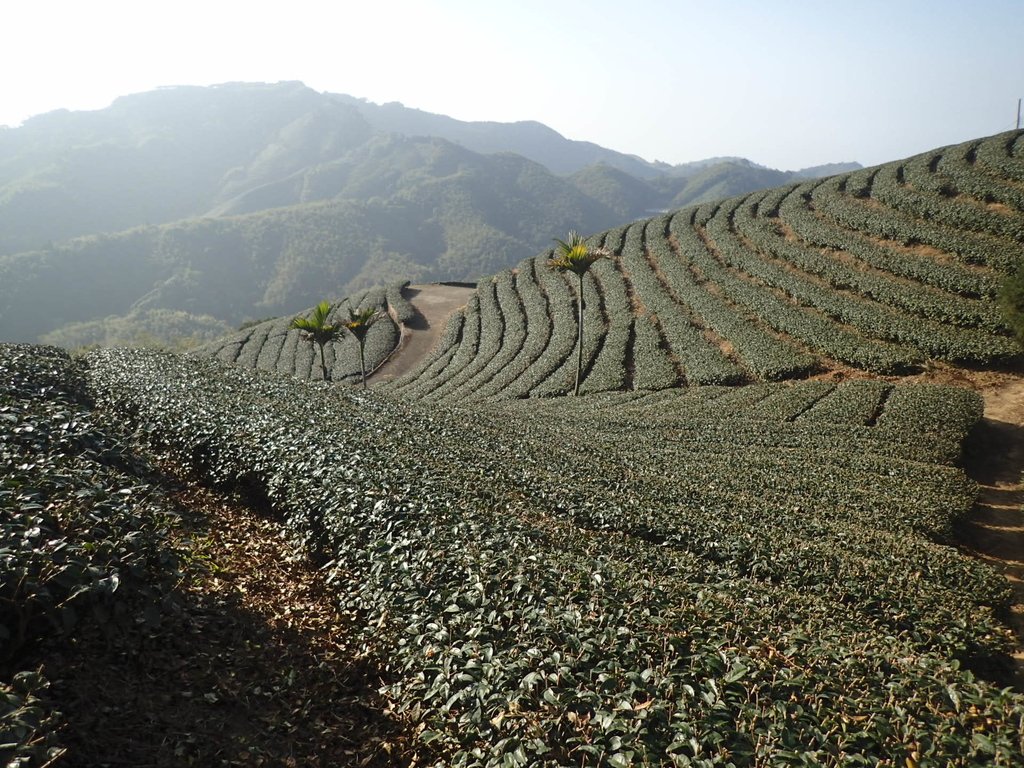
273,345
745,545
881,269
649,574
426,210
157,157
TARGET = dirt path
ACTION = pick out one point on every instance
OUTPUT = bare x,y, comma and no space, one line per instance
994,457
434,303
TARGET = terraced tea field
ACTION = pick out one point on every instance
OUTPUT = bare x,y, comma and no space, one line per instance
707,576
273,345
881,270
884,269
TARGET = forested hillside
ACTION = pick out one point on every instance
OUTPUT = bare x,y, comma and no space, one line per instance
184,211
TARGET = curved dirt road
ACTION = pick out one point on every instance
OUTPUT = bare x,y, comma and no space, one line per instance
434,303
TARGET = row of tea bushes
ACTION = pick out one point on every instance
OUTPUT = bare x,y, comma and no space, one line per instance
398,305
842,201
881,269
859,310
274,345
768,356
949,172
957,280
82,537
916,299
1000,156
899,186
700,577
702,360
818,331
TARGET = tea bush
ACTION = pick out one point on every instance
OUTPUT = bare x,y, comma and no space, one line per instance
274,345
881,269
82,536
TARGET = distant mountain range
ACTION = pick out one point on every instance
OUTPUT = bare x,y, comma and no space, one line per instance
183,211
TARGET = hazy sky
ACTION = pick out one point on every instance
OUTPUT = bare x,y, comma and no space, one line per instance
786,83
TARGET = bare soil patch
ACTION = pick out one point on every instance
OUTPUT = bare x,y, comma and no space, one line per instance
434,304
994,458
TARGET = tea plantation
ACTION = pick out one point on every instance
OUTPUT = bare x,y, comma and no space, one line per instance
84,536
710,558
707,576
882,269
273,345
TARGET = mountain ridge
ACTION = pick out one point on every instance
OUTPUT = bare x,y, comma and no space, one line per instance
156,194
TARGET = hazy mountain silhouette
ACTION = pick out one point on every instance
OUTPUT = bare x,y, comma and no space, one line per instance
244,200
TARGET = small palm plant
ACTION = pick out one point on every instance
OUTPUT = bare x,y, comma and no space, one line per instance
574,255
359,322
319,331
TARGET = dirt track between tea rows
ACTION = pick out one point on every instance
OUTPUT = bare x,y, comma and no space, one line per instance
434,304
994,458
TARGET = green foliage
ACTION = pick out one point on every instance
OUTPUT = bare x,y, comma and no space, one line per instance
575,255
160,328
276,345
764,587
317,330
82,537
63,473
768,286
28,727
360,321
316,326
398,305
1011,301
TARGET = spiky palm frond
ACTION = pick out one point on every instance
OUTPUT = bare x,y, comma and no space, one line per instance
319,331
316,326
359,321
574,255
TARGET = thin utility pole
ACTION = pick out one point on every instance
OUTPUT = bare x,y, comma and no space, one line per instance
1018,114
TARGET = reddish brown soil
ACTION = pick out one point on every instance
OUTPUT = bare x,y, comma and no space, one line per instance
254,667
